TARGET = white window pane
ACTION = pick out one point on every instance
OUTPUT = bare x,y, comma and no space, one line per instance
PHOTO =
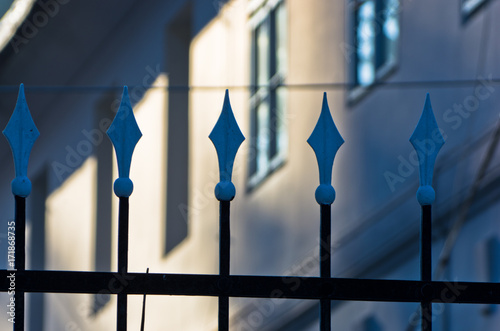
391,30
391,24
366,30
263,53
281,125
366,43
366,73
263,140
367,10
366,51
281,39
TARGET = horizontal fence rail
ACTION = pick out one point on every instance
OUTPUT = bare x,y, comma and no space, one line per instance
226,136
276,287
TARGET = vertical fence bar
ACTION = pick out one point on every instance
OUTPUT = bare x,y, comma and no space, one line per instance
224,266
124,134
20,262
224,240
21,134
427,141
227,138
325,140
325,262
426,264
123,213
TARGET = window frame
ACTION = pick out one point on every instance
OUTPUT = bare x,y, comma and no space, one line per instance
358,91
265,12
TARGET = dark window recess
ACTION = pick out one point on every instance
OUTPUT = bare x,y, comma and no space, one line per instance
178,36
103,152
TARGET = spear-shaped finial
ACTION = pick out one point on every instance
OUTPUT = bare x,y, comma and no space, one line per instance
21,133
427,141
227,138
124,134
325,140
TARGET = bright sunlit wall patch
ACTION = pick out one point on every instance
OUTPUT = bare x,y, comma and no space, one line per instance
376,39
269,58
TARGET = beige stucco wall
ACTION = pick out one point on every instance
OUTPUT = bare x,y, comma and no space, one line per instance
220,57
276,223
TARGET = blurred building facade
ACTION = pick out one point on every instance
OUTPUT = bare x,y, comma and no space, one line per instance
376,59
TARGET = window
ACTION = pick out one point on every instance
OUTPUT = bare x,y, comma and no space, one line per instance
268,96
376,36
470,6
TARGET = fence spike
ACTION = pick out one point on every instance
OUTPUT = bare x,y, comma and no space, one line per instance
124,134
21,134
325,140
427,141
227,138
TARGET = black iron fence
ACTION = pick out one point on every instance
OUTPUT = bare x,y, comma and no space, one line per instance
226,136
